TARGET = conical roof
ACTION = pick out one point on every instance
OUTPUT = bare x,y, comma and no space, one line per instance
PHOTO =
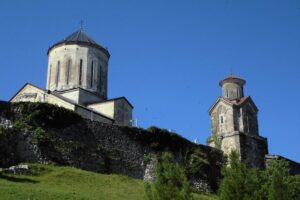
79,37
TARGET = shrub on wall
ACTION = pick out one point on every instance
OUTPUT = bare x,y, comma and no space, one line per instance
171,181
45,115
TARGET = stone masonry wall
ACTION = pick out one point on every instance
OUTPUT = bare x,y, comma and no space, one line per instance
45,133
253,150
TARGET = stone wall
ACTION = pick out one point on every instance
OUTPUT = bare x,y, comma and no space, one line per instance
294,167
253,150
67,139
122,112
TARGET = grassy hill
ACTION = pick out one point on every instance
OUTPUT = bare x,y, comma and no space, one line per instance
54,182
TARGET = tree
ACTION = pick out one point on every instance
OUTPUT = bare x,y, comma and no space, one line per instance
239,182
243,183
171,182
294,187
278,180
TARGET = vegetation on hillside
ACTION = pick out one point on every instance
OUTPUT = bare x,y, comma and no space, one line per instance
243,183
171,181
64,137
61,136
39,114
40,126
54,182
199,162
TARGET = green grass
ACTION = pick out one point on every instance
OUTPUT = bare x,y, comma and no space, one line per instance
53,182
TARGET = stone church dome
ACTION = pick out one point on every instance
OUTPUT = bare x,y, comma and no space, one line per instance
81,38
78,63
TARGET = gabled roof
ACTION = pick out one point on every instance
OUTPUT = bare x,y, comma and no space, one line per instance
249,99
80,37
78,105
118,98
239,103
114,99
24,87
62,98
217,101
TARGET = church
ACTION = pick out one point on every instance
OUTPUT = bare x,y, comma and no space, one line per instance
77,80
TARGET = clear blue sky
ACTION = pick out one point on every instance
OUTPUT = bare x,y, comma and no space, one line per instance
168,56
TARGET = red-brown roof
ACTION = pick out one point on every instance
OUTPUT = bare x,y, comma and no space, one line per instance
238,103
242,100
232,77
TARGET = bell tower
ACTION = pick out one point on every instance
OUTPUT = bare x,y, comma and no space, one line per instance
234,123
232,88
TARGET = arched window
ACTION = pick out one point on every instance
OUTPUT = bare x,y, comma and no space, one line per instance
92,74
80,73
57,73
221,119
68,72
221,123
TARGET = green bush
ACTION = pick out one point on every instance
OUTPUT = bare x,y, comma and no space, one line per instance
45,115
277,180
40,136
171,182
147,158
243,183
233,186
19,126
158,139
294,187
197,164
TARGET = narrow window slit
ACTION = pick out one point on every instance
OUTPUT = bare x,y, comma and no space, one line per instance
80,73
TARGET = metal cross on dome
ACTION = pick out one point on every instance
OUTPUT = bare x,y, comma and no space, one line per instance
81,24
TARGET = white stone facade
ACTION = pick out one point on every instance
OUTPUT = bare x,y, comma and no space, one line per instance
72,66
77,80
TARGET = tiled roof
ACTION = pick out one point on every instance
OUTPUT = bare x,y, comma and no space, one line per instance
80,37
232,77
238,102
